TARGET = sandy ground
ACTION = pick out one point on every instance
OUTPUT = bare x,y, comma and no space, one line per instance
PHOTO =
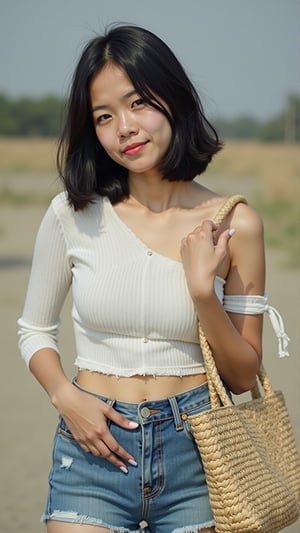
28,420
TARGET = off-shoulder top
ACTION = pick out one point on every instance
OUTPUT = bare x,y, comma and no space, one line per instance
132,312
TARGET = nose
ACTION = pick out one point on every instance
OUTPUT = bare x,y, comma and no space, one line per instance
127,125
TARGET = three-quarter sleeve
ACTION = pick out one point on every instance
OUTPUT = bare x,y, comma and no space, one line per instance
49,282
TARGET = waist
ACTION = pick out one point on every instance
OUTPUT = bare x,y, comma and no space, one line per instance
158,410
137,388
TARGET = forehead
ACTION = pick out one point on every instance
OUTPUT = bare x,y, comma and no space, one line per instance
110,82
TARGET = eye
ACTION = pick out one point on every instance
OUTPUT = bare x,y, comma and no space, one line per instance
137,103
101,119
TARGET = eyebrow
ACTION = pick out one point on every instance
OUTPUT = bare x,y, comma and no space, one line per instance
124,97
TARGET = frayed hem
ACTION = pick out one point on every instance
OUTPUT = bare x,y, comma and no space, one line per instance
194,528
75,518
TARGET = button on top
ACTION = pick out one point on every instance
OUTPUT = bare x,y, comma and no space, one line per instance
145,412
149,252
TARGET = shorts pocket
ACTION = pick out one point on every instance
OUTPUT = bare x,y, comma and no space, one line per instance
63,430
203,406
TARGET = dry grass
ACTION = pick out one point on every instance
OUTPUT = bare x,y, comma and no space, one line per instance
268,174
34,155
274,166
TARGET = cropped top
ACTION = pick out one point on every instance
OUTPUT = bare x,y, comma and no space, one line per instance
132,312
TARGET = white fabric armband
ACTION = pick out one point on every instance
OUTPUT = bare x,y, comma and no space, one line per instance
256,305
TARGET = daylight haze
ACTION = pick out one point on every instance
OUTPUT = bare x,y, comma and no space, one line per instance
243,56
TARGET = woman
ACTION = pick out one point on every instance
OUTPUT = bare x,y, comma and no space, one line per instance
133,235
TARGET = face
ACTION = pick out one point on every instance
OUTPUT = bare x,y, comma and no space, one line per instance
132,132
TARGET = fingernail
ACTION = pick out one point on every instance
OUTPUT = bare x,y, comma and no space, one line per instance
124,469
133,425
132,462
231,232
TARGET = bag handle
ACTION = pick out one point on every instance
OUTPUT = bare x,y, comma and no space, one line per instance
218,394
225,209
217,391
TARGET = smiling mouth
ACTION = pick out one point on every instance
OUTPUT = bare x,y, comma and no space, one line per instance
134,148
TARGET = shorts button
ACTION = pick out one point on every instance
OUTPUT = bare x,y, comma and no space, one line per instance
145,340
145,412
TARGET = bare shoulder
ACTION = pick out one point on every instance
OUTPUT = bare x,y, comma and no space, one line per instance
246,267
246,221
242,218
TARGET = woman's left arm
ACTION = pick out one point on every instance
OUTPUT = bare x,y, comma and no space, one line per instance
235,339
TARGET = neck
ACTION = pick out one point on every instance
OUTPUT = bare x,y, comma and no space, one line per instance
157,194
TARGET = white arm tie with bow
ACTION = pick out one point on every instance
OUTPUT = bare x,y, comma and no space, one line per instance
256,305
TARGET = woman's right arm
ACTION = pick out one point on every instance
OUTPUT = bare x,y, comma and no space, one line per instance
50,280
84,414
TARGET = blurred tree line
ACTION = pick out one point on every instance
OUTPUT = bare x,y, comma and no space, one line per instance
30,116
43,117
283,127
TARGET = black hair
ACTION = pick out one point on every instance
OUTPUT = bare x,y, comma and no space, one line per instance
156,74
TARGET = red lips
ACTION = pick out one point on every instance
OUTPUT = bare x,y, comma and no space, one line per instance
134,148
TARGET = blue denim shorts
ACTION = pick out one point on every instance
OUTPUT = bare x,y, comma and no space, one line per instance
165,493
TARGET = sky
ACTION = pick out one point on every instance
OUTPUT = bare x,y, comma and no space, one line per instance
242,55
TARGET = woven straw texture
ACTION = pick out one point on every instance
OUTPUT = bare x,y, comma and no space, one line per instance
248,452
251,465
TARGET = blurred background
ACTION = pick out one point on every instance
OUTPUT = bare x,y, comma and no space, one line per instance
244,59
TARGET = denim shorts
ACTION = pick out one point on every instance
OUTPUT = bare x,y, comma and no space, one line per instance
165,493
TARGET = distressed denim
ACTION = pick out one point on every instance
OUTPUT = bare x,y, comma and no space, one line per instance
165,493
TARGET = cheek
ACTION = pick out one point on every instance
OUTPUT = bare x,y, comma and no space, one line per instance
163,129
165,136
108,144
105,139
169,134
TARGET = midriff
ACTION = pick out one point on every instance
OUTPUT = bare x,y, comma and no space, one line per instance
137,388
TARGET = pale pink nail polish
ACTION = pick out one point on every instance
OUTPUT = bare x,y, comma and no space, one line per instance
133,425
132,462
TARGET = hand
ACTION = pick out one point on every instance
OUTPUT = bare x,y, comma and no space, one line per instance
202,254
86,416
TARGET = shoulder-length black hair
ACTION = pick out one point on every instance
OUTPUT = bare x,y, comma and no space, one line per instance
156,74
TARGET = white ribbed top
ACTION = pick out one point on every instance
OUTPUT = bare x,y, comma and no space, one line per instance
132,311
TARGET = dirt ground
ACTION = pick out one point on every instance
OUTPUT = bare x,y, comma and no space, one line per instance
27,418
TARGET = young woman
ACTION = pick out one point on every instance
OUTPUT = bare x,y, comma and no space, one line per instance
133,236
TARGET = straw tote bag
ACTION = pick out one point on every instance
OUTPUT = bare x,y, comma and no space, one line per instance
248,452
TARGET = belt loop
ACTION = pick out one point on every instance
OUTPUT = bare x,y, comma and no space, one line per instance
176,413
